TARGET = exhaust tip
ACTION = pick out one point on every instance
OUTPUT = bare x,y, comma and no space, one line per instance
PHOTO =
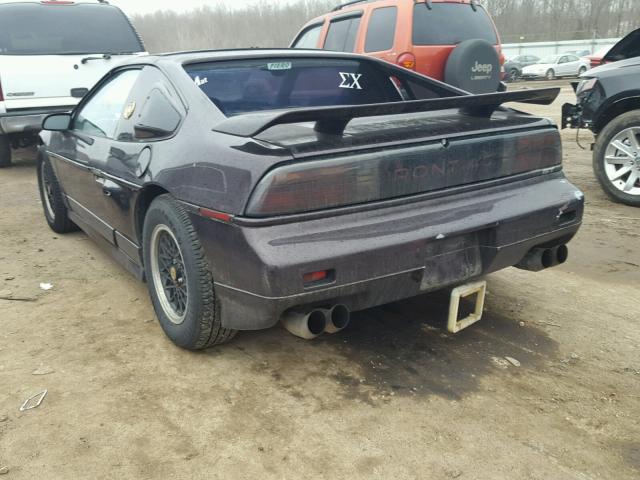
316,322
548,259
305,324
339,318
562,254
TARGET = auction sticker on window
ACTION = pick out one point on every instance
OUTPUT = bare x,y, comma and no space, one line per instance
279,66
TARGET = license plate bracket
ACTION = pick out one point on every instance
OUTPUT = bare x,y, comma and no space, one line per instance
479,289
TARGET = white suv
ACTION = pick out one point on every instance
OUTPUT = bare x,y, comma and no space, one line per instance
51,54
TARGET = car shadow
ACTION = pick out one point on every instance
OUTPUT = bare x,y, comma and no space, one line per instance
402,349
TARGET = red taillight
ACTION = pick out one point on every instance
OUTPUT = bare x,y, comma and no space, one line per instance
399,172
407,60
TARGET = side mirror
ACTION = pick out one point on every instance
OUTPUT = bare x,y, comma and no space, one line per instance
57,122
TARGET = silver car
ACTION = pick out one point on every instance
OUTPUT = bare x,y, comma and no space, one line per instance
554,66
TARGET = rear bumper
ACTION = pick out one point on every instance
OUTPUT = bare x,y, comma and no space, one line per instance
28,120
384,255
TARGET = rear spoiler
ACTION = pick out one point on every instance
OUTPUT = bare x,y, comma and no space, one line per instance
334,120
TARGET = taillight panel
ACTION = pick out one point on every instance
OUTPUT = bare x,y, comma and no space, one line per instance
396,172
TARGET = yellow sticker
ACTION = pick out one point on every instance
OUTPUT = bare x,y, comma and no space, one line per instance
128,112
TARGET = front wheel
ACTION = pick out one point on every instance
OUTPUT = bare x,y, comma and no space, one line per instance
616,159
179,278
582,71
551,75
5,151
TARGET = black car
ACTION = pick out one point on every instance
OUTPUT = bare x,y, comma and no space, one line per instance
513,67
609,105
257,185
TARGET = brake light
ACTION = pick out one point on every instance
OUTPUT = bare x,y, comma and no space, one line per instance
315,276
407,60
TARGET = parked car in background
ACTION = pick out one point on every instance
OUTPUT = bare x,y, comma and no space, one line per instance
51,54
454,41
556,66
513,66
608,103
255,186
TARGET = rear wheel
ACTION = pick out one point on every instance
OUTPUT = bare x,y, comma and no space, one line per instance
513,75
551,75
581,71
179,278
55,210
616,158
5,151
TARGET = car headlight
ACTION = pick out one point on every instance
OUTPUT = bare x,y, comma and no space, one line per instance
586,85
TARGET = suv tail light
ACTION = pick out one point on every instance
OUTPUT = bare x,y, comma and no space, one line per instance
407,60
400,172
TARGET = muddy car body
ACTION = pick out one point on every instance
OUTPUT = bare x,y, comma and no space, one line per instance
326,180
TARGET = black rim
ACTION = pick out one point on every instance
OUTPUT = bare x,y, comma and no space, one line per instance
172,273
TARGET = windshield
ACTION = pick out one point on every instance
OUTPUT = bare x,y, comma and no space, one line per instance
39,29
242,86
450,24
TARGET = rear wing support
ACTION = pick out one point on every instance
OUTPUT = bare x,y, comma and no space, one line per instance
334,120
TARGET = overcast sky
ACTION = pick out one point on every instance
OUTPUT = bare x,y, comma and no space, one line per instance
132,7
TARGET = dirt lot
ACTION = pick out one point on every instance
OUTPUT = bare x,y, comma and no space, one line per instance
391,397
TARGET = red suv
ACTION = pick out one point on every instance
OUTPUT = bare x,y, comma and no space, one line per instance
454,41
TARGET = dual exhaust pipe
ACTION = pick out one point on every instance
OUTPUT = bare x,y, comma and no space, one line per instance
309,324
542,258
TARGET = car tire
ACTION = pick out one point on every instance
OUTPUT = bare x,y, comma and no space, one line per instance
5,151
513,75
179,278
582,71
55,210
617,177
550,75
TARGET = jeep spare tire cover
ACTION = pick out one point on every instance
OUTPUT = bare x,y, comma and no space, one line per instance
474,66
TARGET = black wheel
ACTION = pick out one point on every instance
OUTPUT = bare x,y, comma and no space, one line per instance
5,151
581,71
179,278
513,75
55,210
616,158
551,75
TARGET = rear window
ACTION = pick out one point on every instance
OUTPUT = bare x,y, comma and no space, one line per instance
242,86
36,29
342,34
450,24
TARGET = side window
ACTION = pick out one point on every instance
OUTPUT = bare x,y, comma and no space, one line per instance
309,38
382,30
573,58
157,109
101,114
563,60
342,34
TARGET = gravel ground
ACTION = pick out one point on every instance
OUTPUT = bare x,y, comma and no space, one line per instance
393,396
